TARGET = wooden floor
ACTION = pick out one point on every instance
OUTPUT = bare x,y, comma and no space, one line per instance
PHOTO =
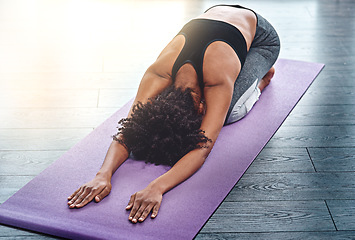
65,66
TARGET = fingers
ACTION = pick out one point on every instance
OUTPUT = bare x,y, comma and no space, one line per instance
131,201
75,197
102,194
140,208
78,198
145,213
135,204
143,210
155,210
82,201
84,195
71,196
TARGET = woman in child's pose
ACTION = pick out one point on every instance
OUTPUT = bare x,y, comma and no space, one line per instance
209,75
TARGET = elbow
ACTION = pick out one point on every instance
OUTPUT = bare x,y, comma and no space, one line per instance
199,156
204,153
204,149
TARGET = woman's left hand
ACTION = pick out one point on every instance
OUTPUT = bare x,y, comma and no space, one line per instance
142,203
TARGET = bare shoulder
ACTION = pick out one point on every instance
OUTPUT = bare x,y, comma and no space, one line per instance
166,59
158,76
221,64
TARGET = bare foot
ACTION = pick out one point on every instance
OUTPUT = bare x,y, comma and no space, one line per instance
266,79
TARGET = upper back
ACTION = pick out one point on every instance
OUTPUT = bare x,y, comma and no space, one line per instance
243,19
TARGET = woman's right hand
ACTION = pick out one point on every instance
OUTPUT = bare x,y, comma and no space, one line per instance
97,189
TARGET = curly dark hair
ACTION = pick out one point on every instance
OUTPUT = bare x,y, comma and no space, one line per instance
164,129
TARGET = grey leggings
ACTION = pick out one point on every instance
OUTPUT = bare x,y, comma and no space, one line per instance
261,57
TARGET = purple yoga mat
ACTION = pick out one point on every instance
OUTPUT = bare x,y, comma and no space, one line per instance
41,205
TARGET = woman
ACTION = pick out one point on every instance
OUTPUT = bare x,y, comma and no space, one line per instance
209,75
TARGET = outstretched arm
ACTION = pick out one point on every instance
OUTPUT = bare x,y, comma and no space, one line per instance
152,83
149,199
100,186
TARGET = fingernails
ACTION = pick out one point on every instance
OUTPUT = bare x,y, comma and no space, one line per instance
130,218
140,219
153,215
134,220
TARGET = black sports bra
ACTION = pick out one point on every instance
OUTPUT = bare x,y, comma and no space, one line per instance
199,34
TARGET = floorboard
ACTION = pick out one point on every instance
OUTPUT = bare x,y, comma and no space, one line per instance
10,184
41,139
294,186
21,163
329,235
343,212
333,159
125,78
37,118
48,98
321,115
283,160
266,216
314,136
